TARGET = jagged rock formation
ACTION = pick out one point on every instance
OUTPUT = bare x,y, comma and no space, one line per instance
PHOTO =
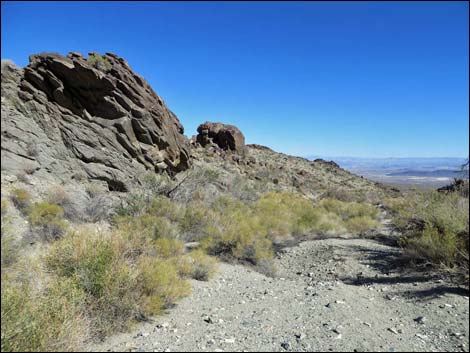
227,137
74,117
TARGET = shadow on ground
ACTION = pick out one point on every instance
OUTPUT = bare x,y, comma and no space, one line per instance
394,268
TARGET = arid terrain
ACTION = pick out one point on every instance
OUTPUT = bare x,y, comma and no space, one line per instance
120,233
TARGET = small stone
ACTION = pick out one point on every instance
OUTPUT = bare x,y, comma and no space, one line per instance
391,329
208,319
340,302
230,340
420,319
163,325
367,324
300,336
285,345
423,337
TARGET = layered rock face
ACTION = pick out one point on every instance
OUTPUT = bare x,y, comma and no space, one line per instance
93,118
227,137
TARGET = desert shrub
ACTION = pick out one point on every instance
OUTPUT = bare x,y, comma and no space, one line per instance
285,213
361,224
164,207
167,247
59,196
328,222
46,220
196,218
99,62
203,265
236,231
156,184
161,283
51,319
20,198
347,210
97,263
121,278
434,226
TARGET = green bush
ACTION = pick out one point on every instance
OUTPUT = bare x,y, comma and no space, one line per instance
99,62
49,320
161,284
203,265
434,226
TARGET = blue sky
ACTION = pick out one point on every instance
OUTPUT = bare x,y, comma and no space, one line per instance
363,79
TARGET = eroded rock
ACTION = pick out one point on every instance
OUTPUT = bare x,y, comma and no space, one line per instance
104,120
227,137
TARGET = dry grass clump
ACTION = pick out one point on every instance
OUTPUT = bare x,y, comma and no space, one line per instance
20,198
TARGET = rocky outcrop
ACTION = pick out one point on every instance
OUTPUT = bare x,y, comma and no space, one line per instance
92,117
227,137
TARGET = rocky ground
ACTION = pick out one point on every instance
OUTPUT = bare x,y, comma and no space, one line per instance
336,294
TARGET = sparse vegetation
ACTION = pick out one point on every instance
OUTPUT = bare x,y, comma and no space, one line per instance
46,220
59,196
99,62
20,198
51,319
435,227
8,244
203,265
111,278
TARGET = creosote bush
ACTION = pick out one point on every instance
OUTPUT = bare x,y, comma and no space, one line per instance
435,227
52,319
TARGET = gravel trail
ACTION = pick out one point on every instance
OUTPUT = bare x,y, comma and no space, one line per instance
336,294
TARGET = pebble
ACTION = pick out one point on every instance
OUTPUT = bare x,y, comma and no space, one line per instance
391,329
420,319
208,320
230,340
285,345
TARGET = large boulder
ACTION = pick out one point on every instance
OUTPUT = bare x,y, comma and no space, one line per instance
227,137
92,116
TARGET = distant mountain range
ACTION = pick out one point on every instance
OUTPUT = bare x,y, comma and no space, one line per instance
404,171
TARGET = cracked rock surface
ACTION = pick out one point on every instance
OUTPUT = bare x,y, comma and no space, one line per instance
64,116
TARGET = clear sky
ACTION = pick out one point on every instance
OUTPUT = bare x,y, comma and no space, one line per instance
370,79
